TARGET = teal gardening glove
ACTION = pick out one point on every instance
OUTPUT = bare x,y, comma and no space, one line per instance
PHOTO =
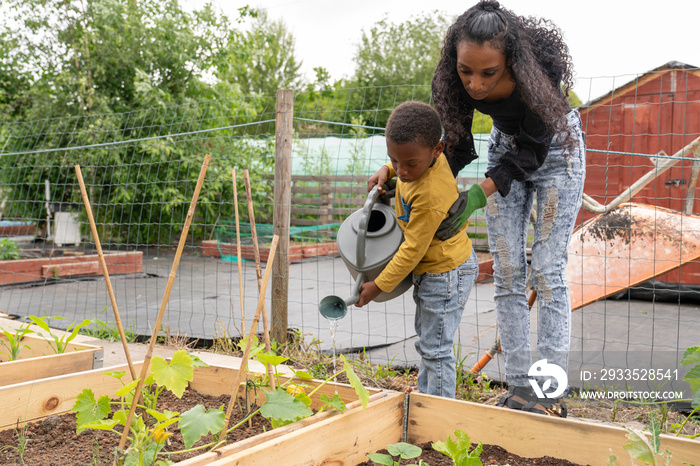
465,205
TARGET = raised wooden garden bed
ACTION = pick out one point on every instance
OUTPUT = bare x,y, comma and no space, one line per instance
32,401
39,360
35,269
345,440
297,251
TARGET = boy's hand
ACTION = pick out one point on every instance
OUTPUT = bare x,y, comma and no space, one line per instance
368,291
379,178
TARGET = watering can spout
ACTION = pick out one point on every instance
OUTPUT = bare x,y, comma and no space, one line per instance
335,308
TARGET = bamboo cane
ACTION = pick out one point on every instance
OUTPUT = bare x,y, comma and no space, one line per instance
256,249
249,343
105,272
164,302
238,250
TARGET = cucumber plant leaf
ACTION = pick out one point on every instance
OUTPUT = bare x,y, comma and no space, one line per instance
691,356
176,375
281,408
270,358
336,402
198,422
355,382
88,409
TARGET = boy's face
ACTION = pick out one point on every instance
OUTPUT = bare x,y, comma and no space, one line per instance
411,160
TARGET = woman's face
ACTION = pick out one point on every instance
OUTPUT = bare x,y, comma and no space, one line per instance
481,68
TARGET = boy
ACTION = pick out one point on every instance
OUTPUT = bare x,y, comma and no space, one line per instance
436,248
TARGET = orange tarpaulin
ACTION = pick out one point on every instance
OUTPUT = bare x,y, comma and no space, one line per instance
627,246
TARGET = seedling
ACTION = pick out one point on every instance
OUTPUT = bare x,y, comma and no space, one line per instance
460,451
13,345
59,343
403,450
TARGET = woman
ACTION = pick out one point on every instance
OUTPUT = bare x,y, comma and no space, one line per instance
512,68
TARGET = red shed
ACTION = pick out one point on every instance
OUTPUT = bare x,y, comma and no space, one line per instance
658,112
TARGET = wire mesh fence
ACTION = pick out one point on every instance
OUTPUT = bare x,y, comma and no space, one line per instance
140,169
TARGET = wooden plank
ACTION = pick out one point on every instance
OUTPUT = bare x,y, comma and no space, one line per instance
526,434
32,401
25,370
339,439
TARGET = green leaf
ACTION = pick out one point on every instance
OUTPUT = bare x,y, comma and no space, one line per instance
176,375
270,358
198,362
696,400
381,458
164,416
121,416
693,378
638,446
127,388
459,450
336,402
303,375
360,390
691,356
283,407
405,450
103,424
117,374
197,422
88,410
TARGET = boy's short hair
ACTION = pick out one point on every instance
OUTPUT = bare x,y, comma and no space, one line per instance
414,122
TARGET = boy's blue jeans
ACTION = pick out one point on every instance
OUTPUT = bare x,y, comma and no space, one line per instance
558,185
440,300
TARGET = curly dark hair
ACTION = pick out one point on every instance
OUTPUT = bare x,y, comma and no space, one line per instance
538,60
414,122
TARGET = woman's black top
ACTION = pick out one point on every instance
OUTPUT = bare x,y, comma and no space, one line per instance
513,117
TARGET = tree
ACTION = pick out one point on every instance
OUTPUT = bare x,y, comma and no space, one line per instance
106,73
262,60
395,62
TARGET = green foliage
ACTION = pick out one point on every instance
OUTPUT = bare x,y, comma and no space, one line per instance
8,249
647,449
175,375
154,60
460,450
404,451
58,343
281,408
198,422
395,54
148,430
262,60
14,345
107,330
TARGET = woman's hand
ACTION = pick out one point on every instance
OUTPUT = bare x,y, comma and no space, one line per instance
379,178
368,291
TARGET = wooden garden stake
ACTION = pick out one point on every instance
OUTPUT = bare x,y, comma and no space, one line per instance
260,309
105,272
238,250
164,302
256,249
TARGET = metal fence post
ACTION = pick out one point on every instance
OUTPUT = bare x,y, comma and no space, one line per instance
284,130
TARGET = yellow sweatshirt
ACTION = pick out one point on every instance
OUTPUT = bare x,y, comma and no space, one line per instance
421,206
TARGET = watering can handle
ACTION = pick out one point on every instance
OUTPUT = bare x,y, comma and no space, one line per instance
363,224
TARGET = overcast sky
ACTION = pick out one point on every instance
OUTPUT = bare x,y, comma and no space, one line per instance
606,38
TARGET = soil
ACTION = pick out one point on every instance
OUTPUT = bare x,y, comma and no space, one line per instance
54,442
491,455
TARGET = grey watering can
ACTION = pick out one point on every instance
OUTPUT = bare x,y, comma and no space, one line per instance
367,240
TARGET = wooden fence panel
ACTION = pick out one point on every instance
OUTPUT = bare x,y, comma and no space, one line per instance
326,199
